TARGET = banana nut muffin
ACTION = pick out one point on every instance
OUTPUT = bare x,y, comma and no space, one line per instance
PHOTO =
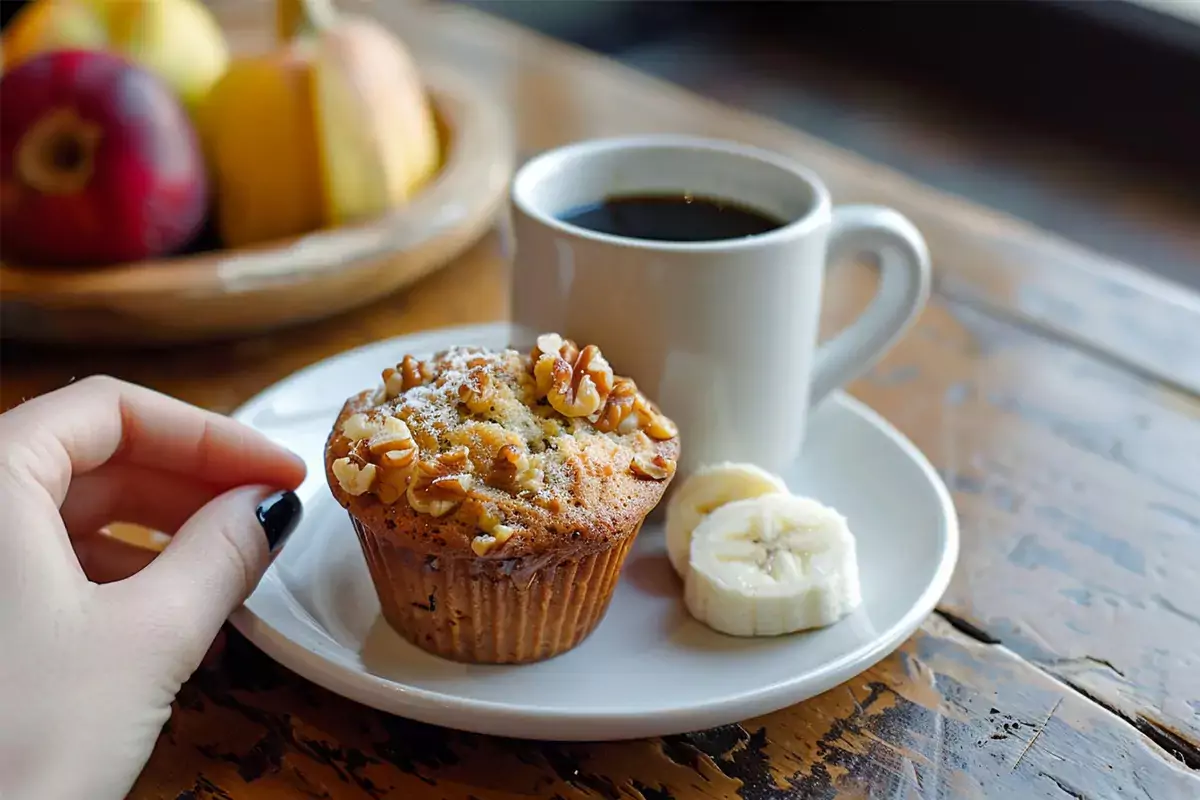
496,494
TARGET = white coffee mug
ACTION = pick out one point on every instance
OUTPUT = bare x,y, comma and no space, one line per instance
722,334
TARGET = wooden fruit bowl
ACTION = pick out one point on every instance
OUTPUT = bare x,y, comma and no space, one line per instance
234,292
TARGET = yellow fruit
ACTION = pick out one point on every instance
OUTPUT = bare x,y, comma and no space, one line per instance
52,25
176,39
262,149
378,139
335,127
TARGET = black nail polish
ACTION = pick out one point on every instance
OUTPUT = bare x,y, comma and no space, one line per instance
279,515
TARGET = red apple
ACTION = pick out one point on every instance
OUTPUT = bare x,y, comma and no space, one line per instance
98,163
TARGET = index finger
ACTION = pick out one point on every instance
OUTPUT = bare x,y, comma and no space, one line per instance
100,419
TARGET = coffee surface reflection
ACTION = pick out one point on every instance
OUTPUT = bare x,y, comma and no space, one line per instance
671,218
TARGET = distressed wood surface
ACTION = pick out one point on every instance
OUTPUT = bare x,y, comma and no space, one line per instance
1055,390
944,716
1076,483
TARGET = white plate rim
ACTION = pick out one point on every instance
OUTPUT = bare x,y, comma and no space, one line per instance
532,722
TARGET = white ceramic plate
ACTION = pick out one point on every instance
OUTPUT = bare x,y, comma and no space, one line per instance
648,669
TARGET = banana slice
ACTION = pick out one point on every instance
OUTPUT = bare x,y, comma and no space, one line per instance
705,491
771,565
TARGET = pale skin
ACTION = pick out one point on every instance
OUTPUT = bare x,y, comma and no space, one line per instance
96,636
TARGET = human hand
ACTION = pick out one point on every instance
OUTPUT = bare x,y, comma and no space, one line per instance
93,653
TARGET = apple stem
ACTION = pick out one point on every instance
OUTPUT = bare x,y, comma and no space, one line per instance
298,17
57,154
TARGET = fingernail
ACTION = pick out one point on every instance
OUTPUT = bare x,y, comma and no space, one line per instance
279,515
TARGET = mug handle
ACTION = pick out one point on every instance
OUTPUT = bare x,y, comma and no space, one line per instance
903,289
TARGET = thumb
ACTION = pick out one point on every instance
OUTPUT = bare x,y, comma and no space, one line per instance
211,566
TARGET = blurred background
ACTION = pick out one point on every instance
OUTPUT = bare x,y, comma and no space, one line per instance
1078,116
1081,116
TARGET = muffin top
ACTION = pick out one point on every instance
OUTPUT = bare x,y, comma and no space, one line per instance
502,454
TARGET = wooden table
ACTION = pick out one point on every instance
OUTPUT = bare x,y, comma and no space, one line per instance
1057,391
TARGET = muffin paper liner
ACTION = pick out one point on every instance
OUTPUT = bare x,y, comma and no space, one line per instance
491,611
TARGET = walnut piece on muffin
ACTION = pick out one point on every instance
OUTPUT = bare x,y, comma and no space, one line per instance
502,452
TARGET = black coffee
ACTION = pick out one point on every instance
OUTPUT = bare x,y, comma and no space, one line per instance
672,218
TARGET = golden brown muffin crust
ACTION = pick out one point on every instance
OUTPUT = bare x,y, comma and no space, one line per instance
502,454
